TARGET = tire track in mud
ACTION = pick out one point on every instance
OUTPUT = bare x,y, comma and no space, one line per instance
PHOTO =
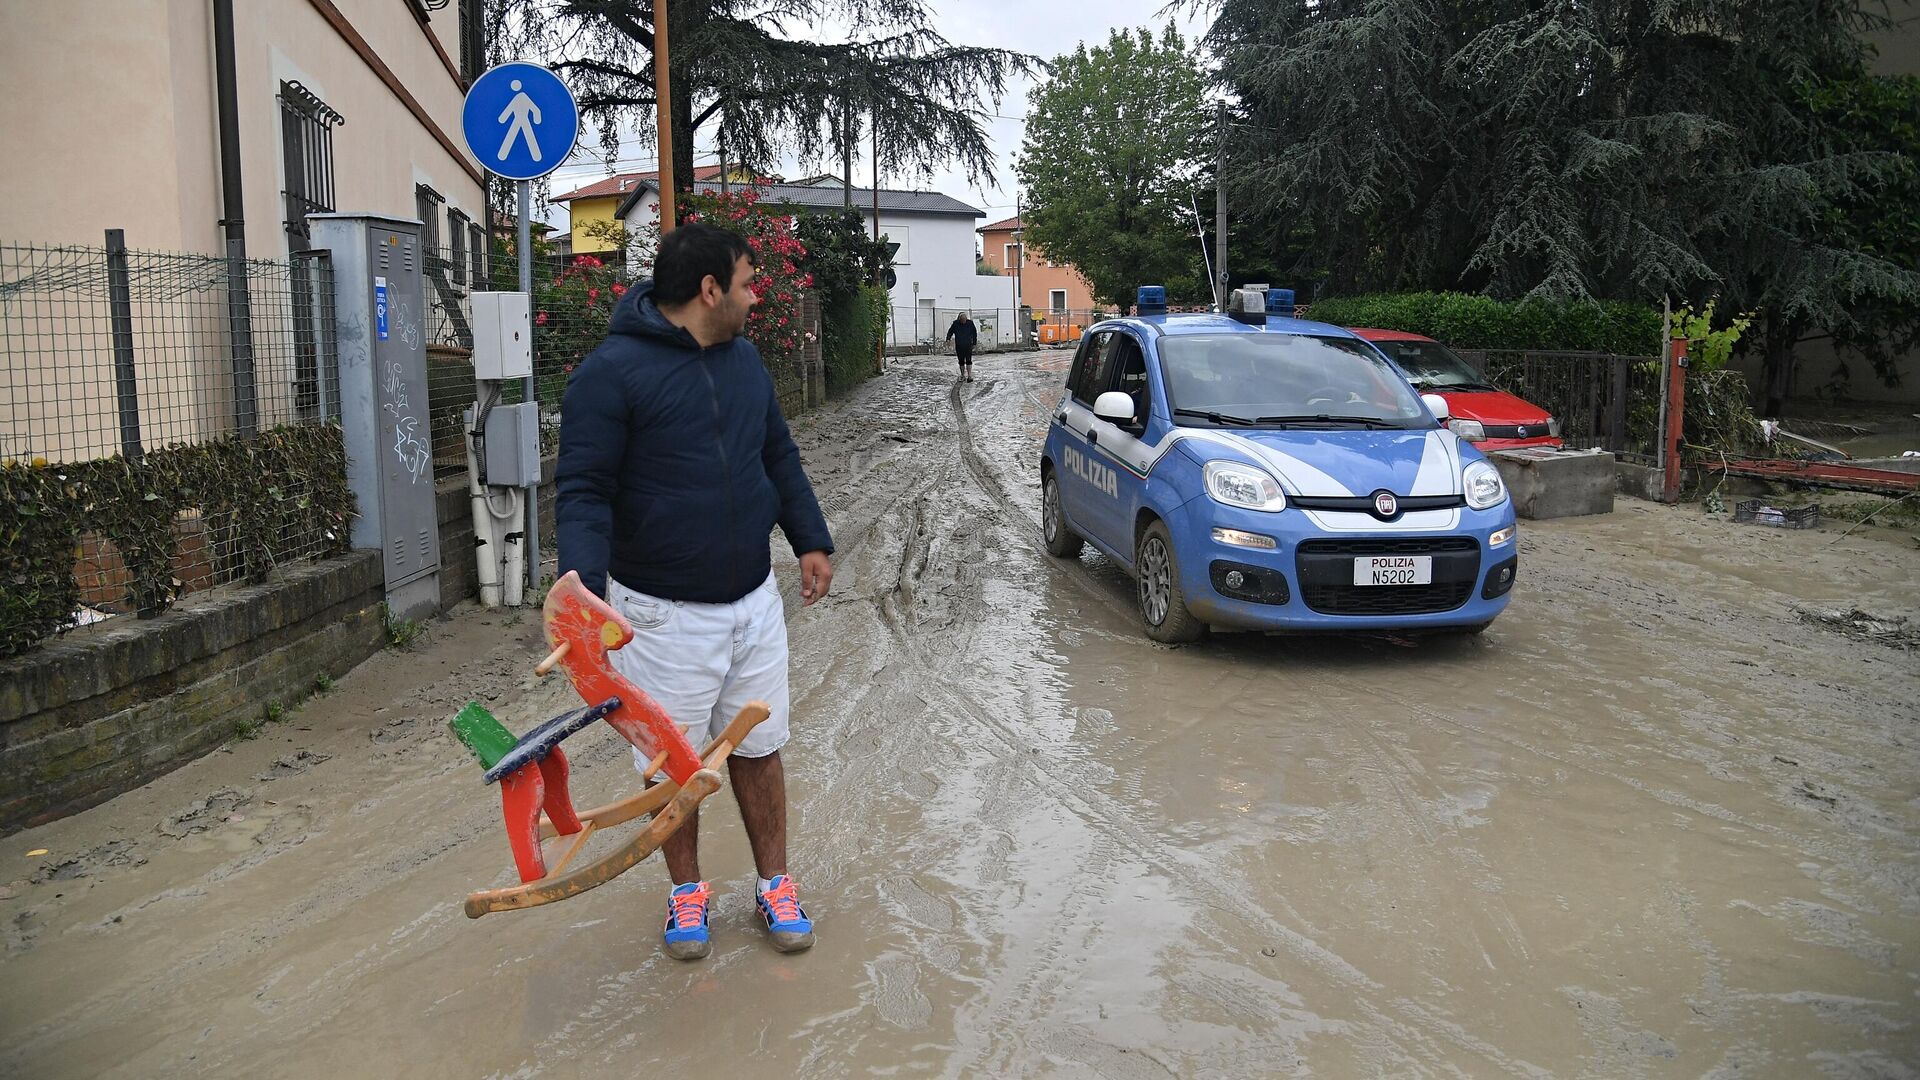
1071,785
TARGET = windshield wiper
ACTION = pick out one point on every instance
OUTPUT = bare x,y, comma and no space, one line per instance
1323,418
1218,418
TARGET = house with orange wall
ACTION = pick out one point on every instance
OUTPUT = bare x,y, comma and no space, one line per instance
1044,284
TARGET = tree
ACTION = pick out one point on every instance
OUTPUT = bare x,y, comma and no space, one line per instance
767,93
1609,148
1111,160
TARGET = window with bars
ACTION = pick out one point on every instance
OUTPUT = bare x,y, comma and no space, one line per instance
426,206
457,246
477,248
306,140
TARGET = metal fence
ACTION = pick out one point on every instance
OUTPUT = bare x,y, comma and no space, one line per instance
1596,396
924,329
116,354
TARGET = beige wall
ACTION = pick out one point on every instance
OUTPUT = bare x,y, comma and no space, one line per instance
110,116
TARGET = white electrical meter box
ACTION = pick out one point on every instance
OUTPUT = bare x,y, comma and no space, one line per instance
513,445
502,336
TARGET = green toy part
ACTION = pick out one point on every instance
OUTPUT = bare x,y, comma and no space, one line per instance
479,732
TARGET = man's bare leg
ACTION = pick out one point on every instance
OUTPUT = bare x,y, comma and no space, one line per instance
760,787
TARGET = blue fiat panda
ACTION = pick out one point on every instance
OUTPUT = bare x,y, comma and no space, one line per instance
1259,472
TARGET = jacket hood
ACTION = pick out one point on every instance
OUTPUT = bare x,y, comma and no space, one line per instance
636,315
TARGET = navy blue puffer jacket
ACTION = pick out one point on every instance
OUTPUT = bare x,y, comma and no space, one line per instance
675,464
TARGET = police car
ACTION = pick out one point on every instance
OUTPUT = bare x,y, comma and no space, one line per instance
1253,471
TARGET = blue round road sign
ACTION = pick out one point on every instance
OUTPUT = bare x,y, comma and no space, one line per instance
520,121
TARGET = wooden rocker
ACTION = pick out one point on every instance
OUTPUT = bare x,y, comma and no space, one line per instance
532,769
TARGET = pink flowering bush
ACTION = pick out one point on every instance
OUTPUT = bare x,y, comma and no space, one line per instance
775,324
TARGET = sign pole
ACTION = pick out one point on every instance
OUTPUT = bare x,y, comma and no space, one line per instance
524,247
521,122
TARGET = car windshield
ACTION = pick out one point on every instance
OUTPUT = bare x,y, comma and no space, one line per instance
1430,365
1284,380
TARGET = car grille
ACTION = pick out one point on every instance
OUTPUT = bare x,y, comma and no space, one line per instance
1325,570
1518,431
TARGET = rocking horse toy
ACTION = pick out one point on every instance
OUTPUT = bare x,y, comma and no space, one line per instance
532,769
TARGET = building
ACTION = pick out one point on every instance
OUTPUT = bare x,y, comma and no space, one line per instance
185,124
597,203
1045,286
932,234
112,113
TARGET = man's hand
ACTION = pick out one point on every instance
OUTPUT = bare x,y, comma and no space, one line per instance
816,576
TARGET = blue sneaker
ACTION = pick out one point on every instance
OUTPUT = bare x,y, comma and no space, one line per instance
687,921
787,924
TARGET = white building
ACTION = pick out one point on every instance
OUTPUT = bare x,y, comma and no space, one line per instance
934,268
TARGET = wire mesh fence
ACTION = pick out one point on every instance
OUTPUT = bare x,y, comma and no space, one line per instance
182,405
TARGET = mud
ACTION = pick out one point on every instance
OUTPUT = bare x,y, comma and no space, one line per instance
1660,821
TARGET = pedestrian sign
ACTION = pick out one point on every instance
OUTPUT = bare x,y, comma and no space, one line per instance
520,121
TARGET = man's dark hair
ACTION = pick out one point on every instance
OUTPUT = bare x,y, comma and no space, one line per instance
689,255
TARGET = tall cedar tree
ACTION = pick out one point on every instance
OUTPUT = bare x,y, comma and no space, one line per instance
735,70
1600,148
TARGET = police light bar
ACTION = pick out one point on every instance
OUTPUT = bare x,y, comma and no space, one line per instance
1151,300
1280,302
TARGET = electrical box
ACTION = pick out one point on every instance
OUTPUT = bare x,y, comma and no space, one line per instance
502,336
381,312
513,445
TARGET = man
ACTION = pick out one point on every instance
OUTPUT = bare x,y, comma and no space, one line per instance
675,464
964,336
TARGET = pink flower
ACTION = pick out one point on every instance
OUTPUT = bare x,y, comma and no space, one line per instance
540,319
619,289
593,294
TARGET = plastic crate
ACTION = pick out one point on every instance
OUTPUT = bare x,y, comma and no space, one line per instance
1758,512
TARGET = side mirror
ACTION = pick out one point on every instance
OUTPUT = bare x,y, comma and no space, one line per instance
1437,405
1114,407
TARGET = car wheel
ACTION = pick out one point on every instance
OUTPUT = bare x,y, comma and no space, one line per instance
1163,605
1061,540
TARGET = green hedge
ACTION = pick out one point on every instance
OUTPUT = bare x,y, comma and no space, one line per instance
852,325
285,486
1470,321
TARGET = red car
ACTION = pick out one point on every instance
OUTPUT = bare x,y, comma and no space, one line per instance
1484,415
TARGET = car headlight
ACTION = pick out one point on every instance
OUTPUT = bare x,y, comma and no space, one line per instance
1236,484
1485,489
1553,426
1470,430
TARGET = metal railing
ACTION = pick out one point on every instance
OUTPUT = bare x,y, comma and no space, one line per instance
1594,395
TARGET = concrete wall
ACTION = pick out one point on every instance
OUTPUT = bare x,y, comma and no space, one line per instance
102,711
111,117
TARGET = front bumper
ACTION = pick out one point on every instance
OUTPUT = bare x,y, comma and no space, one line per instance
1305,582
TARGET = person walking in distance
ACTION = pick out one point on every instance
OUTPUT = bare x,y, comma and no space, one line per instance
675,465
964,335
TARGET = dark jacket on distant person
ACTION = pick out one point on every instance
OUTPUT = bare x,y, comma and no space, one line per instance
964,333
676,463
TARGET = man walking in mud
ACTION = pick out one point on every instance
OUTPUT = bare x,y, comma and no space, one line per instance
964,335
675,465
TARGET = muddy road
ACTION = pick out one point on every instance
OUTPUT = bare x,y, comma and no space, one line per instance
1661,821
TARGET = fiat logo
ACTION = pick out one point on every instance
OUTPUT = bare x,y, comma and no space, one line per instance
1384,504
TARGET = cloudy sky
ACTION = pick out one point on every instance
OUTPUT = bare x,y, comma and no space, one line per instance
1045,28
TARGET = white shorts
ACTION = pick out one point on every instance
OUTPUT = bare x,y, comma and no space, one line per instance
704,662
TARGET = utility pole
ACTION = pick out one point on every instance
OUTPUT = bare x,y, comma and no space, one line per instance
846,151
879,346
663,109
1220,213
723,161
1019,260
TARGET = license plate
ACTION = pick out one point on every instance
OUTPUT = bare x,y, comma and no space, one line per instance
1393,570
